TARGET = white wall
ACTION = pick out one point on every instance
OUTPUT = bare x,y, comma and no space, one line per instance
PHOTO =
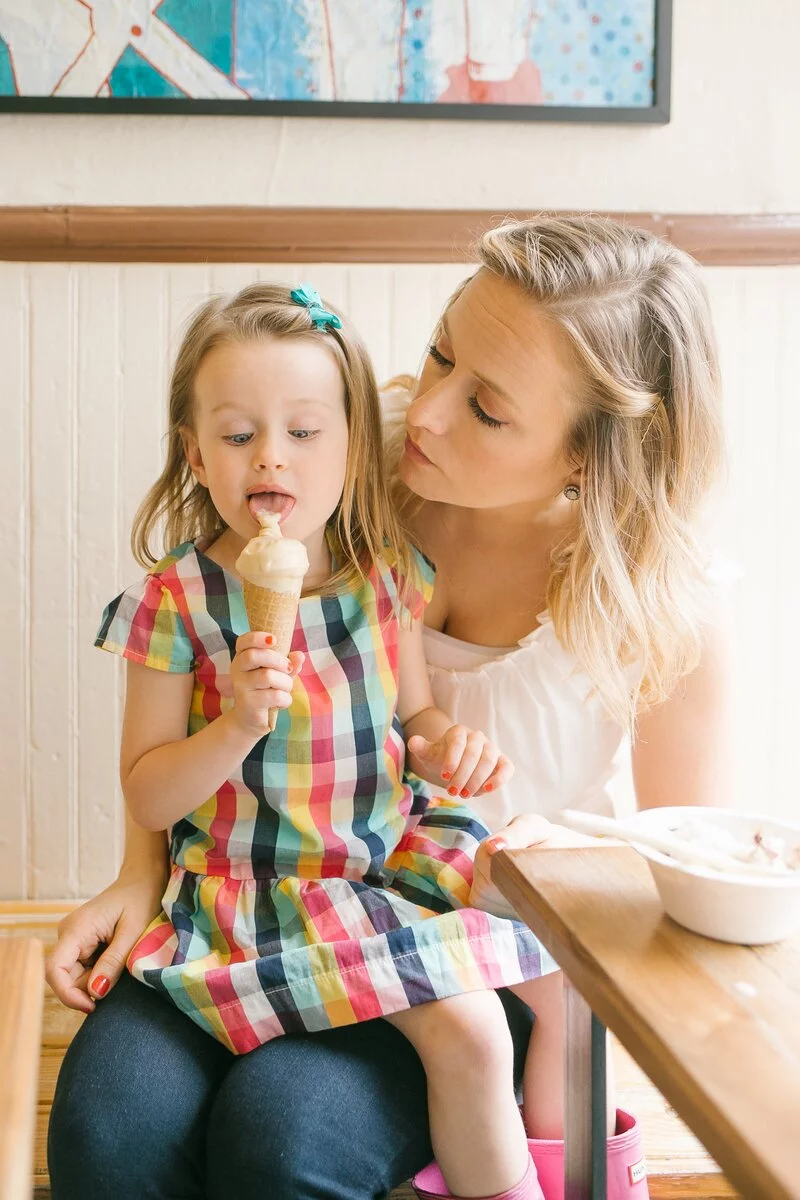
732,145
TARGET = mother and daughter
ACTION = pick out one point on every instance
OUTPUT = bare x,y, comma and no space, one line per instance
554,457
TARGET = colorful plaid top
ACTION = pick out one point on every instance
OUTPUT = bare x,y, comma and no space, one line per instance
318,885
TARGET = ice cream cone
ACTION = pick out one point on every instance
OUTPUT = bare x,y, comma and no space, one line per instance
272,569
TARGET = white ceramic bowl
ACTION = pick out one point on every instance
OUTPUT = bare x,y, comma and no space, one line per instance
748,909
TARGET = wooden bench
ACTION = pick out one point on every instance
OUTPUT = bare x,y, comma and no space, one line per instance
20,1037
678,1166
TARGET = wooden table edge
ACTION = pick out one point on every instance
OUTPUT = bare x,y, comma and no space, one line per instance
604,1000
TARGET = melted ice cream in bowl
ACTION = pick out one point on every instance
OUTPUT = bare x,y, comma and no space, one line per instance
729,875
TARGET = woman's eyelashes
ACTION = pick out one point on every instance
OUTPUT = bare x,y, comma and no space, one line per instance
438,357
480,413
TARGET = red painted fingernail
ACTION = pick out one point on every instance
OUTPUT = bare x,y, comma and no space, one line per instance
100,985
452,791
464,793
494,846
488,787
269,639
447,774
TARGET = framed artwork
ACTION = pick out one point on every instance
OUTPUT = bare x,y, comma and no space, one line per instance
556,60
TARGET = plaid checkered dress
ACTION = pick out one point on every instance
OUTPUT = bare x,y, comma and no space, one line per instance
320,885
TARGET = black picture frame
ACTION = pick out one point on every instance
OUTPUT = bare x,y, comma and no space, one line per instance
657,113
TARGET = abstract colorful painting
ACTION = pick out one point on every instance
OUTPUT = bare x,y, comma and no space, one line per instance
553,59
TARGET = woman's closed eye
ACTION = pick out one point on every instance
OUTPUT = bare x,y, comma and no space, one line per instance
481,415
438,357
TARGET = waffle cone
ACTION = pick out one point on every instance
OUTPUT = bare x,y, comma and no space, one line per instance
275,613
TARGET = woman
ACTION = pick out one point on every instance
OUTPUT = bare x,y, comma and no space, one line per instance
563,436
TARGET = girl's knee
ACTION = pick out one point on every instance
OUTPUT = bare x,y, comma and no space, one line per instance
467,1031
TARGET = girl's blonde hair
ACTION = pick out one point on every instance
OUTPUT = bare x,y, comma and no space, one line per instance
628,590
364,526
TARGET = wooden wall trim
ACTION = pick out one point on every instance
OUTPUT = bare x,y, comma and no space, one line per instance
239,234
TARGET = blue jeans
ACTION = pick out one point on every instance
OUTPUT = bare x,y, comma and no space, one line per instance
149,1107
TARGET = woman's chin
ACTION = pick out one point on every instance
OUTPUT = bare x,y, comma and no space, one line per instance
418,479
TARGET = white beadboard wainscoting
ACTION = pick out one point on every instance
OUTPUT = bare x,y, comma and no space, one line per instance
85,352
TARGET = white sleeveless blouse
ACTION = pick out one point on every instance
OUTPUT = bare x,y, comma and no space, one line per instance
535,704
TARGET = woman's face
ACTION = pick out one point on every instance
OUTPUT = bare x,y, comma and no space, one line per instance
495,402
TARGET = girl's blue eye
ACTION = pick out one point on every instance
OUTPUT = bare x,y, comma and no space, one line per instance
438,357
482,416
302,435
238,439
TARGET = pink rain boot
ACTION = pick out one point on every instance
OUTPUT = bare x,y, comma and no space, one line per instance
429,1184
626,1173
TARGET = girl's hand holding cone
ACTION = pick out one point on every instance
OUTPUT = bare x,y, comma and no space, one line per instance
262,679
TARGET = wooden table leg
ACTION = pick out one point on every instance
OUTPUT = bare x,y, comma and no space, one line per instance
585,1100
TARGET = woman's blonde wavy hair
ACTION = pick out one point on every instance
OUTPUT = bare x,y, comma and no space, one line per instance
364,526
628,591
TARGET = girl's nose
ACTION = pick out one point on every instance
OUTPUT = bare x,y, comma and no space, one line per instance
269,453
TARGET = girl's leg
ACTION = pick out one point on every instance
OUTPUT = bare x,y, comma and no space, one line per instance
132,1102
543,1085
477,1135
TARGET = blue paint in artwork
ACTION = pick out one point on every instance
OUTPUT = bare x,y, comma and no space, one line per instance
420,84
587,52
7,87
133,76
616,36
207,25
273,58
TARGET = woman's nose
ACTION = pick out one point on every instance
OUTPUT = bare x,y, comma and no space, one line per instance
428,410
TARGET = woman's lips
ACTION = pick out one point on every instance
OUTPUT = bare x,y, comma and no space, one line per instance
413,451
274,502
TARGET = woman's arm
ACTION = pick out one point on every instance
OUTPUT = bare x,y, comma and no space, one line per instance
683,748
114,919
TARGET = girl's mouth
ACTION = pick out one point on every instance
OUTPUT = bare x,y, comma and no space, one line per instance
269,501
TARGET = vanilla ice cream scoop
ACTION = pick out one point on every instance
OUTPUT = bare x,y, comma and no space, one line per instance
272,568
272,561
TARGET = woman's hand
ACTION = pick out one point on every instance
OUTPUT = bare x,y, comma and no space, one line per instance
262,679
528,829
464,758
114,919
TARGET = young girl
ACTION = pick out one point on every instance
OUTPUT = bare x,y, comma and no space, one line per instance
315,882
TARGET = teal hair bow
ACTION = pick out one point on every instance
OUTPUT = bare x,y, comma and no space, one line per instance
310,299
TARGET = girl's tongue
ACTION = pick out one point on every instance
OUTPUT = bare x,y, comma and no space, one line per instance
276,502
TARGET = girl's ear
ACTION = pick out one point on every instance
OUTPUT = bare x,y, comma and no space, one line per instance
191,449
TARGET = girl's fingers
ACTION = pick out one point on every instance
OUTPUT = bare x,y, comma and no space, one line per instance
466,749
255,640
497,778
420,746
253,658
485,771
265,679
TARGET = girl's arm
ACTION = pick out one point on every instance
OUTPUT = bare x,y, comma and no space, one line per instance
445,754
683,748
166,774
